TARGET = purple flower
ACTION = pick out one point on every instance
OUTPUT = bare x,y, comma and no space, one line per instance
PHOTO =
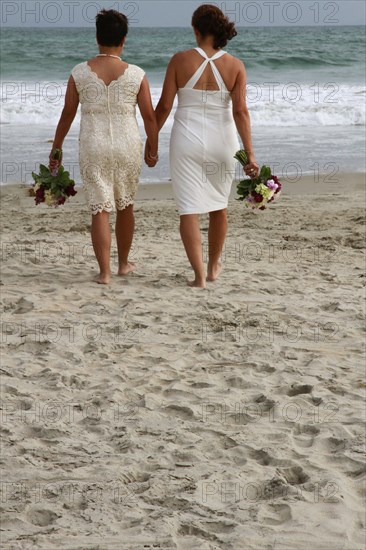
271,184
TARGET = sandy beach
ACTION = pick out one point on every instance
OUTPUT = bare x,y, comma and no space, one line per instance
148,415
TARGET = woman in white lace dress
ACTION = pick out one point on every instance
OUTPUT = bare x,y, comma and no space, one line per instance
211,89
110,146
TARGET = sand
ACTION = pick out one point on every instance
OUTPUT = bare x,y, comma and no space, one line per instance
149,415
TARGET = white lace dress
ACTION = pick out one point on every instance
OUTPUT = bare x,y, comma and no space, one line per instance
110,146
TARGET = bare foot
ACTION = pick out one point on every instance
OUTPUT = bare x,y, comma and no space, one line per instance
125,269
103,279
214,271
197,283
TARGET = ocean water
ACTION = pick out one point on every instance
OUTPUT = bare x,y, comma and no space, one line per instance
306,94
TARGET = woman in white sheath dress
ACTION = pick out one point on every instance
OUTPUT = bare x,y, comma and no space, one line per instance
211,89
203,144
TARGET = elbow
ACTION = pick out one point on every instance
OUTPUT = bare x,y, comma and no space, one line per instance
164,108
68,114
241,114
150,118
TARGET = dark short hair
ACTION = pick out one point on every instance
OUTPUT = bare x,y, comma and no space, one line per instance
210,20
112,27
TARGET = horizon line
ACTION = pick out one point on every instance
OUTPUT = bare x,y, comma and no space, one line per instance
178,26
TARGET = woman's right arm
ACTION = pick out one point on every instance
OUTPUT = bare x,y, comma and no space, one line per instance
242,119
169,92
67,117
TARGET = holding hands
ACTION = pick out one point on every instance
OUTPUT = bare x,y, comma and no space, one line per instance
151,157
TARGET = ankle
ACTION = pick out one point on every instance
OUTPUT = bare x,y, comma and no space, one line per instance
212,262
200,276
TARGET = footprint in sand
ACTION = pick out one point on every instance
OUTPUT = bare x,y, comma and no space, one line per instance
275,514
121,441
23,306
304,434
207,533
294,475
332,445
42,517
237,382
182,412
215,440
265,403
73,381
216,526
297,389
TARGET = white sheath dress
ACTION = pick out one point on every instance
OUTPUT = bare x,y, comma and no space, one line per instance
203,144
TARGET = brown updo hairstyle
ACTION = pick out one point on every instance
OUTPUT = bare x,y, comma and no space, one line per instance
210,20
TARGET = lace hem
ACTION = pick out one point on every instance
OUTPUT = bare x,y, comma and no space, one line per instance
98,208
123,202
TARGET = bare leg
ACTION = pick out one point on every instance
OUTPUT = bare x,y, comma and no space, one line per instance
216,238
191,237
125,227
101,239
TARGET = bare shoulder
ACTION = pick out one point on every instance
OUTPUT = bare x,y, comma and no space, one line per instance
236,63
180,57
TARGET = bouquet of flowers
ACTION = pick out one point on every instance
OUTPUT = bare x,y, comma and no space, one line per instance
259,191
55,187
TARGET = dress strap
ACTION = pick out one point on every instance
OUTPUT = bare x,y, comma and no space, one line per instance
197,75
215,56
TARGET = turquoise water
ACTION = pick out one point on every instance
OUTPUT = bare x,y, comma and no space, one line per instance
332,52
306,91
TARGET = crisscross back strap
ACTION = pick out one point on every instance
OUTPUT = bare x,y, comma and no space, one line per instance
197,75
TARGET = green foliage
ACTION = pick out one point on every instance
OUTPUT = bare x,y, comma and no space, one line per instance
244,187
55,183
56,154
265,173
242,157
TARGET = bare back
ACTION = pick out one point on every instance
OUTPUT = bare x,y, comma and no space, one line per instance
187,63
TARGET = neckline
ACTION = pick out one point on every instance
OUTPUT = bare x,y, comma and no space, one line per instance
101,79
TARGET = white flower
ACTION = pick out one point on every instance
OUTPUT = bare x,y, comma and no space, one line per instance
49,200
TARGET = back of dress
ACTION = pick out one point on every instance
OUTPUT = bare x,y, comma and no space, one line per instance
110,146
203,144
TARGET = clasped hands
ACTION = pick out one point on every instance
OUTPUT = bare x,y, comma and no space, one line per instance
150,158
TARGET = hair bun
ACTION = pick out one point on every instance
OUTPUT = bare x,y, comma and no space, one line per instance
210,20
231,30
